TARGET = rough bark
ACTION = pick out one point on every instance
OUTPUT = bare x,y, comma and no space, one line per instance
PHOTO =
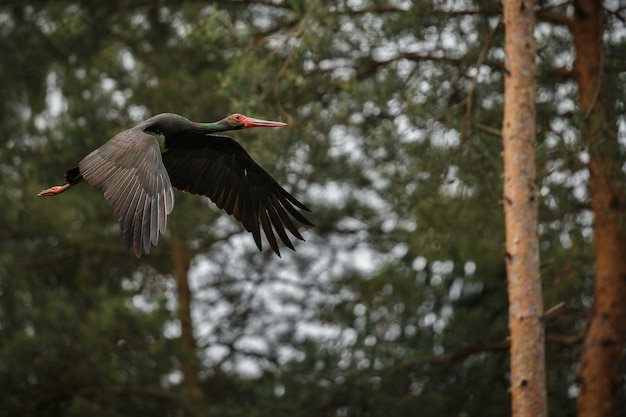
604,339
528,380
181,260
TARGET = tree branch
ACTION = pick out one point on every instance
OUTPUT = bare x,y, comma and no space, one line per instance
156,393
498,346
554,18
465,122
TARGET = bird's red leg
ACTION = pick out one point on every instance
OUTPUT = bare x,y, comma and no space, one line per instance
72,177
57,189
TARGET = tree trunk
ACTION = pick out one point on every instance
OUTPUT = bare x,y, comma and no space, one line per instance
528,380
604,339
181,260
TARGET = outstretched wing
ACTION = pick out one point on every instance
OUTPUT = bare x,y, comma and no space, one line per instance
129,170
219,168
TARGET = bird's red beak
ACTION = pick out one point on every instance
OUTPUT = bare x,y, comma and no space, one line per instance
252,122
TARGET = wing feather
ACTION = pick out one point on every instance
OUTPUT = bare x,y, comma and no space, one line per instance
219,168
284,218
278,226
129,209
267,229
138,224
129,171
145,222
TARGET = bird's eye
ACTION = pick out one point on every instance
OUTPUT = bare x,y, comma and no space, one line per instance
235,119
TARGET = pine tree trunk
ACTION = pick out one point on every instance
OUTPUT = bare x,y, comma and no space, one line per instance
604,340
528,385
181,260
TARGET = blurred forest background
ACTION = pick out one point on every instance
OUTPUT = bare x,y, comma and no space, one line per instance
395,305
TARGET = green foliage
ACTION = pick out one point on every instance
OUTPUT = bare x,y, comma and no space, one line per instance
65,353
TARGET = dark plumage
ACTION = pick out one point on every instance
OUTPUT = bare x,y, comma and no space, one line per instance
136,177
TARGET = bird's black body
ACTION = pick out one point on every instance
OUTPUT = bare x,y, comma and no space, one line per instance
137,177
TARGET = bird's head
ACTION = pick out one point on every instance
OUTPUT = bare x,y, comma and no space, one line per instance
239,121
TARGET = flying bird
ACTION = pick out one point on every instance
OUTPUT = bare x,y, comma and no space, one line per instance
136,174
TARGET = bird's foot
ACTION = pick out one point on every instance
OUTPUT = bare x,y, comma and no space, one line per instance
57,189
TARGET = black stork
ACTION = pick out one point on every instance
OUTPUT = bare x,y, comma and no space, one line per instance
136,175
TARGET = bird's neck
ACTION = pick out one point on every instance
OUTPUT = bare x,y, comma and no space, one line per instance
213,127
